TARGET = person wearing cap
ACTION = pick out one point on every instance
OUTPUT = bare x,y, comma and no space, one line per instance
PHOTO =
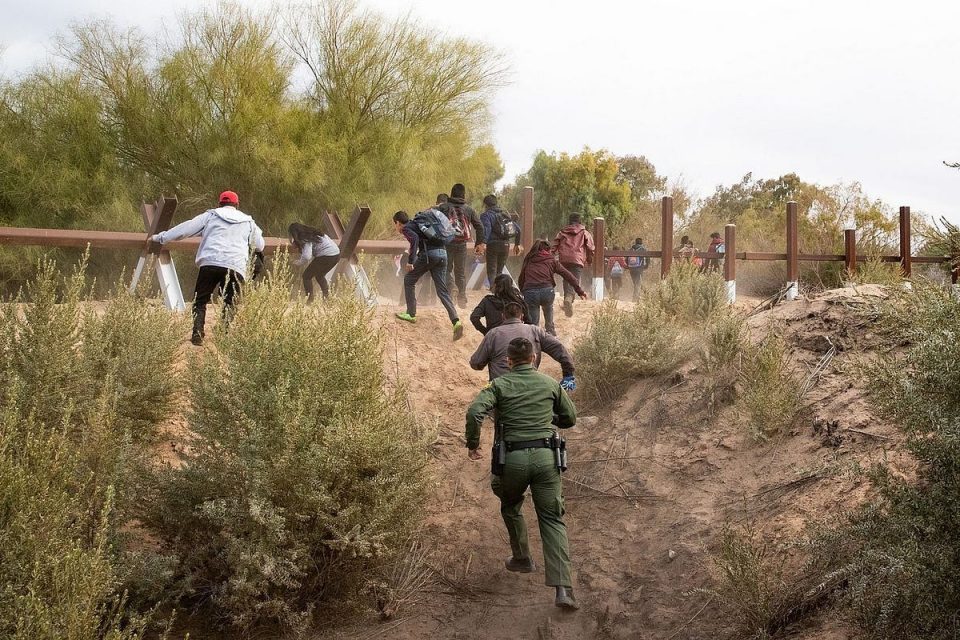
227,236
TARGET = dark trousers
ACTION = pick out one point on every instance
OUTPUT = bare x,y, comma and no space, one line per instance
569,293
317,270
636,275
537,299
497,253
616,283
435,262
457,269
210,279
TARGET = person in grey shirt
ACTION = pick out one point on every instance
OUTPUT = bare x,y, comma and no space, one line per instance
492,352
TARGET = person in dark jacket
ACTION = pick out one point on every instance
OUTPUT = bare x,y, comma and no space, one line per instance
498,229
468,226
491,307
318,252
424,258
574,247
538,286
716,246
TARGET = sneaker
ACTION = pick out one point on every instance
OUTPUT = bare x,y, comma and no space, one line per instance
406,317
457,330
520,566
196,340
565,599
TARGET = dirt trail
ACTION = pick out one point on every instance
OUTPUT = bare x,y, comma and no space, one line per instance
654,473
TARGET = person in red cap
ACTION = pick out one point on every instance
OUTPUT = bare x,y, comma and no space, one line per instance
227,236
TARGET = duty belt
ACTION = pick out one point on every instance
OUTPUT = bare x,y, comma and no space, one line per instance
539,443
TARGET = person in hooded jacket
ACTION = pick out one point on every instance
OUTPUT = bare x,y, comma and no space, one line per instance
574,246
227,235
318,252
467,222
538,286
498,229
492,304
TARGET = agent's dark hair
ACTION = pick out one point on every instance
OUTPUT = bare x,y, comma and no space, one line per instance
505,291
458,191
442,197
302,234
401,217
575,218
520,351
490,201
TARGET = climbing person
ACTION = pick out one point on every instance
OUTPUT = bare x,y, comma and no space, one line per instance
492,352
466,224
498,229
227,236
491,306
616,268
537,283
637,265
574,246
426,255
716,246
528,452
318,252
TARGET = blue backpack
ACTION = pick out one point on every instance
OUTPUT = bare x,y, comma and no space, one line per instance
435,227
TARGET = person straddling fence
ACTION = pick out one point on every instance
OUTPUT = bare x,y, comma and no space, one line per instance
491,306
537,283
466,224
227,237
637,265
492,352
428,234
318,252
574,246
498,228
528,452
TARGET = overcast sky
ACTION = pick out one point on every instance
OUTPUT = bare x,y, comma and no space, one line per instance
836,90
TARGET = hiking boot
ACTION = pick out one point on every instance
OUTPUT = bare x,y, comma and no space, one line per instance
565,599
197,340
457,330
568,308
406,317
526,565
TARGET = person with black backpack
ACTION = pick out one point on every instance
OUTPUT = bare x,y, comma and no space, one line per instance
429,233
467,226
636,265
498,229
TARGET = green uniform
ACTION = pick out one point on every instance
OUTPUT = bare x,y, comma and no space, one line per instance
528,405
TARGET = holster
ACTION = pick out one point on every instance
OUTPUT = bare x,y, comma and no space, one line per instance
498,453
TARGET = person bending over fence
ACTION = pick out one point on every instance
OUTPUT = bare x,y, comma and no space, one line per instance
318,252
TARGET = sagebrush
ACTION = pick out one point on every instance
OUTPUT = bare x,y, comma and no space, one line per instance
768,391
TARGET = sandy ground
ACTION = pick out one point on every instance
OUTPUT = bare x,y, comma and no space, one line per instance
653,473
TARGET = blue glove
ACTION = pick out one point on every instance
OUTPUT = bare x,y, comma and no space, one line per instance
569,383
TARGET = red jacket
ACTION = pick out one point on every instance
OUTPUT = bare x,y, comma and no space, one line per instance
574,245
538,272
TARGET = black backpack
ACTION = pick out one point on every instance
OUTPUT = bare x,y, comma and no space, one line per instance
501,227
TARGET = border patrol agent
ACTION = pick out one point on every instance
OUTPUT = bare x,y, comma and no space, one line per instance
528,404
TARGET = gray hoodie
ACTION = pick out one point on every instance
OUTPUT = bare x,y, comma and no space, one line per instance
226,237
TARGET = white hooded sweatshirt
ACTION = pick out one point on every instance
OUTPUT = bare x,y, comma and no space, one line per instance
226,237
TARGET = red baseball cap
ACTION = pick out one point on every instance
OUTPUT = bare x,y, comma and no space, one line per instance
229,197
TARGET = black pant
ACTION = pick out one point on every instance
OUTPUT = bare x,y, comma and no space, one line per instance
456,267
636,274
569,293
433,261
210,279
317,270
496,260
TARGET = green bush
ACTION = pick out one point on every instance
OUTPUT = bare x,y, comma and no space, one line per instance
67,454
720,355
874,271
621,345
688,296
905,546
306,473
768,392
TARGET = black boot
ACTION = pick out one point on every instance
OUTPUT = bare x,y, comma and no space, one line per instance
526,565
565,599
199,319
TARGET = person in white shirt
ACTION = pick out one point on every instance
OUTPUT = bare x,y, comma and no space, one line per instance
227,236
318,252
